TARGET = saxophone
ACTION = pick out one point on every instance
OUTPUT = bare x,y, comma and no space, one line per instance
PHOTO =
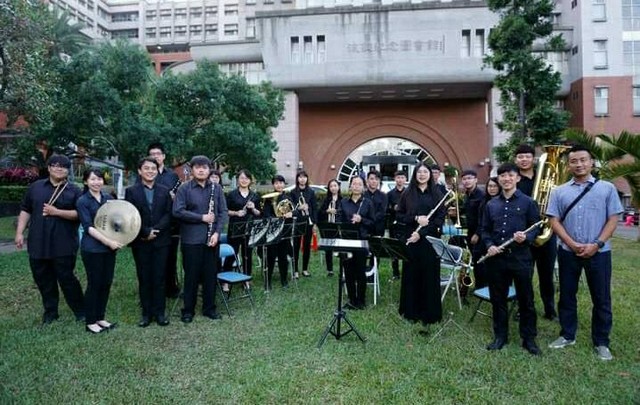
550,173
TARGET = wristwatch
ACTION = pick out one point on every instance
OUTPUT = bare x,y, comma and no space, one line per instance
599,243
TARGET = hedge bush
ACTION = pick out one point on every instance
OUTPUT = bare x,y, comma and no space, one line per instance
12,193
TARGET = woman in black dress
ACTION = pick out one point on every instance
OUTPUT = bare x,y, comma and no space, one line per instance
420,289
330,213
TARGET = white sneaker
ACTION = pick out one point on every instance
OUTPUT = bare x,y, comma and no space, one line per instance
604,353
561,343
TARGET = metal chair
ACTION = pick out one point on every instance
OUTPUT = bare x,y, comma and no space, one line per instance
373,279
451,262
233,278
483,295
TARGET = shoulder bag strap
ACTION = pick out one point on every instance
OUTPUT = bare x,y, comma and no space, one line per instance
574,202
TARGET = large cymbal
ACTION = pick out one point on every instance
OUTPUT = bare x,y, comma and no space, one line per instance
118,220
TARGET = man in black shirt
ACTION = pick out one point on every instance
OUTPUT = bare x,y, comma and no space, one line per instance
393,198
170,180
49,207
544,256
473,197
507,216
379,200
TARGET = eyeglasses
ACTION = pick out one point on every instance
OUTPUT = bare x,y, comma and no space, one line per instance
58,166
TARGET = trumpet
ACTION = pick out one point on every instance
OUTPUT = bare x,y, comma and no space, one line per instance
433,211
332,215
510,241
305,212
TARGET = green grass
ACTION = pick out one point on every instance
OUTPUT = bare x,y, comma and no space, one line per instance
7,228
270,356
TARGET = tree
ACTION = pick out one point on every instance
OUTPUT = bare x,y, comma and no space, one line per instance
66,37
212,114
527,83
619,157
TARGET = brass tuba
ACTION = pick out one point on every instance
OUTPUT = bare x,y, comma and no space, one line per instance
550,173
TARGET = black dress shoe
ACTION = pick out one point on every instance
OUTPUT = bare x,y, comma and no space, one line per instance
162,320
213,315
80,318
186,318
144,322
551,316
531,346
48,319
497,344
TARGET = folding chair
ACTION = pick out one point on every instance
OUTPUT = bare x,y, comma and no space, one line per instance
451,261
232,278
483,295
373,279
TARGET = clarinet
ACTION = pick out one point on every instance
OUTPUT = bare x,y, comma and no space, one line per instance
211,208
174,189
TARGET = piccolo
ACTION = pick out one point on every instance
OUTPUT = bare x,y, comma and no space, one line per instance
510,241
433,211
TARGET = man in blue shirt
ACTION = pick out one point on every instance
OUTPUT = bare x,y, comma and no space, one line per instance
584,231
506,217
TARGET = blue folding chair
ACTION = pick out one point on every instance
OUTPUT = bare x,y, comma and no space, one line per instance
483,295
232,278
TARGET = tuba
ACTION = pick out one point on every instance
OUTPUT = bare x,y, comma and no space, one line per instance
550,173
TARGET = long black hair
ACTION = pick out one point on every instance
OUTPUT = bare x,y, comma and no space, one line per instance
487,196
409,197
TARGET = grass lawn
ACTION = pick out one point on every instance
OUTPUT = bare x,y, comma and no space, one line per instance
7,228
270,356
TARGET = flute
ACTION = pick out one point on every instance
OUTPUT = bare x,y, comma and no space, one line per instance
211,208
510,241
433,211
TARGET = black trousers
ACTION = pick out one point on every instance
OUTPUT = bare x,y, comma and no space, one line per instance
280,250
545,259
151,263
502,270
200,262
172,289
306,249
328,258
100,268
48,274
355,278
244,252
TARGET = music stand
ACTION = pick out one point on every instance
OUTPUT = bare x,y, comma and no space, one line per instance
347,244
389,248
444,253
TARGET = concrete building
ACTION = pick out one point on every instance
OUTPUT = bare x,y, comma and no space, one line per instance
357,71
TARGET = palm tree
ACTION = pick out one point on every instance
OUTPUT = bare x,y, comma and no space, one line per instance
66,37
619,156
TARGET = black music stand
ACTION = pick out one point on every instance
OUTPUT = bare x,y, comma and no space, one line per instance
444,253
388,247
274,230
345,245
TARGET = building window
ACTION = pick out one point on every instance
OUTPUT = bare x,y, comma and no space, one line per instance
631,57
90,4
124,17
636,100
295,50
230,29
195,12
195,30
230,9
151,14
322,49
631,15
601,101
128,34
181,13
211,30
150,33
250,2
165,14
181,30
599,10
478,44
211,11
600,54
465,44
165,32
251,27
574,4
307,50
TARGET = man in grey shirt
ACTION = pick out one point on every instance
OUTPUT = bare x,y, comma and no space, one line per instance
584,229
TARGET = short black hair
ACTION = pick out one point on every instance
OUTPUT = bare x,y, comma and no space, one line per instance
507,167
149,159
524,148
200,160
156,145
435,167
278,177
580,148
469,172
374,173
400,173
60,160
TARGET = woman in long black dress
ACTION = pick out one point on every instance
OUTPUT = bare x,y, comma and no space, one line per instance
420,289
330,213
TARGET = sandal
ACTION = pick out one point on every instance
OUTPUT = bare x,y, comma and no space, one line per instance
306,273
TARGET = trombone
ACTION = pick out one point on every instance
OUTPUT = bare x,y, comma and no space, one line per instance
455,197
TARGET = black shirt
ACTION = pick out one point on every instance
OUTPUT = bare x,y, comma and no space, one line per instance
322,212
168,178
362,207
470,206
393,198
88,207
191,203
50,237
526,184
379,200
503,217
